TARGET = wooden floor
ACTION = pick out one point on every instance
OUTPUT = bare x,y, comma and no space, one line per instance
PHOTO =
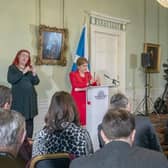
160,122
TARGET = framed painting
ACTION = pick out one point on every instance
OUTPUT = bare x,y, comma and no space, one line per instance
52,46
154,51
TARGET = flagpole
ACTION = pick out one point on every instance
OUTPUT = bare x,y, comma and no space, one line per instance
84,20
82,47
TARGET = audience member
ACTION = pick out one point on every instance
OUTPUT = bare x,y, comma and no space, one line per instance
12,135
62,131
5,103
118,131
5,97
145,133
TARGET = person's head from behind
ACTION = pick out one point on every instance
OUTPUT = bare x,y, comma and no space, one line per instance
119,100
118,124
62,111
5,97
82,64
12,131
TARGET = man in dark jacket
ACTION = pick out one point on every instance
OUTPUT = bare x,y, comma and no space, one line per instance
118,132
145,133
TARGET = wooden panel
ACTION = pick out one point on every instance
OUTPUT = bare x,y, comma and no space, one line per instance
160,123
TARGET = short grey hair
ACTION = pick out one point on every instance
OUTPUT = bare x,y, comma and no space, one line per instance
11,124
119,100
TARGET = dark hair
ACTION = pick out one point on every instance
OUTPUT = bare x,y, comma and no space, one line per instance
118,123
16,59
119,100
81,61
5,95
62,111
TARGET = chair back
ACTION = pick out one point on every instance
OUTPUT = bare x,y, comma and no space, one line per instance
56,160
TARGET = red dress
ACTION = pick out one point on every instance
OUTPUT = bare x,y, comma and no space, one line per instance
80,96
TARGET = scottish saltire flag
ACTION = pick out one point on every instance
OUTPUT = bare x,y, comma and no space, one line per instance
82,48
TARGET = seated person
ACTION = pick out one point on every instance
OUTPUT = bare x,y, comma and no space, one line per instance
145,133
12,135
5,97
118,132
5,103
62,131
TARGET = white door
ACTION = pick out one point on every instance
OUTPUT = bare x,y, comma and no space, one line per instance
108,54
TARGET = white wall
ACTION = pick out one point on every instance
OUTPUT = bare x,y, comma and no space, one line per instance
20,21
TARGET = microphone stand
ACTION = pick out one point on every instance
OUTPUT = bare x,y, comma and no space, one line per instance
114,81
146,102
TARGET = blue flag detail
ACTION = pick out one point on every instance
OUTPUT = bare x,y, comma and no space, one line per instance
82,48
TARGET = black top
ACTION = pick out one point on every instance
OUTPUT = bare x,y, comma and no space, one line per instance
146,135
23,92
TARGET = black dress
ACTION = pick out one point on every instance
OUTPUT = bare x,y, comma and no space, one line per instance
24,96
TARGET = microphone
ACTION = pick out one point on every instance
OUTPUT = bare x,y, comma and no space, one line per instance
114,81
107,76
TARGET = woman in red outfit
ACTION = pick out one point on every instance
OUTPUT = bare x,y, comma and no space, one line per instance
80,80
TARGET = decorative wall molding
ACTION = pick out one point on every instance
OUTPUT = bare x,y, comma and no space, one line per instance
107,21
43,105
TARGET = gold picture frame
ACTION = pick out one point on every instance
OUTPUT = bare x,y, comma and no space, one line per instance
154,50
52,46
